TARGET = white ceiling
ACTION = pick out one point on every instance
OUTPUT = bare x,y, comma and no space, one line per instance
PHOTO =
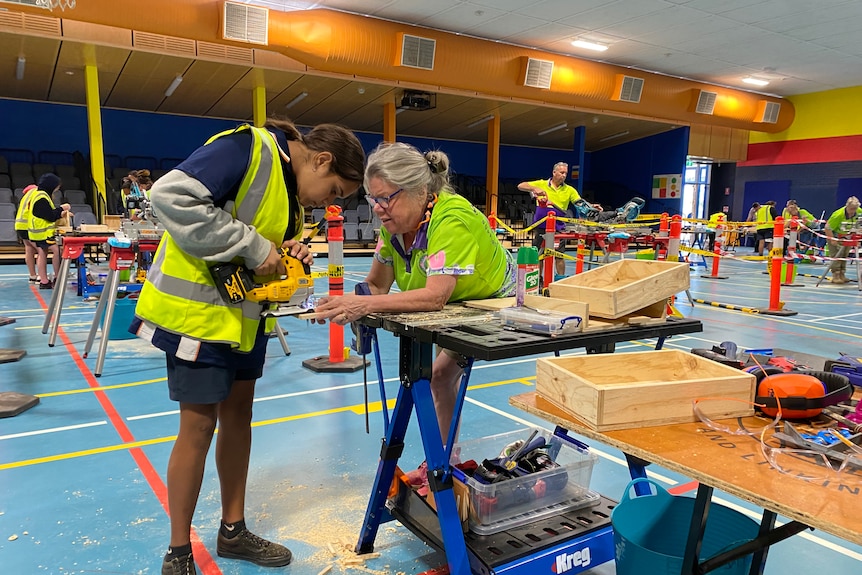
800,46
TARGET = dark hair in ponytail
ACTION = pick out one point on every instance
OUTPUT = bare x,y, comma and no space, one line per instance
348,157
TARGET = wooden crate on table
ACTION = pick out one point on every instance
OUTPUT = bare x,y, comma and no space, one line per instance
625,287
641,389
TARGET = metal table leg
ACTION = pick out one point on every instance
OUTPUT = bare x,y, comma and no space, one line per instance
56,303
112,284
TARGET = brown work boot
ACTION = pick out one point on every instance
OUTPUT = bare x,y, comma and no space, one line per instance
839,278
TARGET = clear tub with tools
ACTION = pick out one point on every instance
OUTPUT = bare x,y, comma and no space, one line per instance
540,481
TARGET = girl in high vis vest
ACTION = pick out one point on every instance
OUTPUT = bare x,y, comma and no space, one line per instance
42,226
236,199
22,221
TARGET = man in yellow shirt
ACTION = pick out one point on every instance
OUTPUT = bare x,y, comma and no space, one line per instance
555,195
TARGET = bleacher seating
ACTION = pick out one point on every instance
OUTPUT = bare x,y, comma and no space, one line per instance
317,214
65,172
7,211
5,181
351,232
350,216
22,181
19,193
81,208
39,169
75,196
71,183
20,169
57,197
6,196
8,236
364,211
4,165
83,217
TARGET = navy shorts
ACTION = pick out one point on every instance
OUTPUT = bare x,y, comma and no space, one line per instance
44,244
205,383
22,234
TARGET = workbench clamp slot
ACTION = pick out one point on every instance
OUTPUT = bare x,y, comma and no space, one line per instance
394,451
439,480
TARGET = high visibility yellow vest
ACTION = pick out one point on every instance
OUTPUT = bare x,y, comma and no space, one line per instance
764,218
37,228
180,295
22,216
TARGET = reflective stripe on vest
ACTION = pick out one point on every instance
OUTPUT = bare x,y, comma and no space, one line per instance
37,228
180,295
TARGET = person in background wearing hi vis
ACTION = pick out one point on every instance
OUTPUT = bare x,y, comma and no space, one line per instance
22,222
838,225
42,226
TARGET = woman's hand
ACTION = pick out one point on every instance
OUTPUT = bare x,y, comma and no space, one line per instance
342,309
298,250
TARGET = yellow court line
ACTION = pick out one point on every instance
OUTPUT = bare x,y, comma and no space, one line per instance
85,453
101,388
357,409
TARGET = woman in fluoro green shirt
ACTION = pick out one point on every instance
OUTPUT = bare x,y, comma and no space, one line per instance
434,245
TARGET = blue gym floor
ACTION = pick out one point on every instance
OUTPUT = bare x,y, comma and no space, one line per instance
82,474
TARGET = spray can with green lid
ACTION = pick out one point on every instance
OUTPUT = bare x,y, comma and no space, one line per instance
528,274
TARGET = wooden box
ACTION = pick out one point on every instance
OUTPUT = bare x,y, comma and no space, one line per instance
641,389
113,222
624,287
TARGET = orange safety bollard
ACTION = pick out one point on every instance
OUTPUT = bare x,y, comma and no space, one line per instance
492,221
337,361
548,262
788,275
776,307
579,261
673,238
716,250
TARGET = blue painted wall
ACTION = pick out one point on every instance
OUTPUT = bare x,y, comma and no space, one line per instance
40,127
618,173
820,187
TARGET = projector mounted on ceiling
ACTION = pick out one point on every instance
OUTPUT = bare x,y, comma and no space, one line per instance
412,100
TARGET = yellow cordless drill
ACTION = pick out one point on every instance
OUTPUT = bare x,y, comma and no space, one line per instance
236,283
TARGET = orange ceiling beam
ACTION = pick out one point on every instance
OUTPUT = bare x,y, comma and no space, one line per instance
349,44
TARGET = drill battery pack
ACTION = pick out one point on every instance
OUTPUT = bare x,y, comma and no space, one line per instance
232,281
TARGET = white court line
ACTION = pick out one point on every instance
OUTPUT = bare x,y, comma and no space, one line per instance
750,513
842,316
52,430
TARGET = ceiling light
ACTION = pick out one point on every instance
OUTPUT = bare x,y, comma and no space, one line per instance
480,121
175,83
554,128
19,68
589,45
299,98
613,136
755,81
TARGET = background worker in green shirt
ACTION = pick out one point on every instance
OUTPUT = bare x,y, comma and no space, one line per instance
803,216
839,225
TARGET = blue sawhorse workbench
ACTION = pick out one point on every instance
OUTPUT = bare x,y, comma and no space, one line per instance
476,334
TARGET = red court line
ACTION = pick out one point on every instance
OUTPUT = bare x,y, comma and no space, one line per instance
202,557
683,488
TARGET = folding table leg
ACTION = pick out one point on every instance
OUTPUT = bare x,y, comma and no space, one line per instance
53,313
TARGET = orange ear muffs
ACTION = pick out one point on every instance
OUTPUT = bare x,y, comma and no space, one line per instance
802,394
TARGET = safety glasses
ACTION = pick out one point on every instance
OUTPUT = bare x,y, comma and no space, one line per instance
815,466
710,409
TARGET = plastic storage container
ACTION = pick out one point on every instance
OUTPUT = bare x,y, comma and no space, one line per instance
650,533
540,321
499,506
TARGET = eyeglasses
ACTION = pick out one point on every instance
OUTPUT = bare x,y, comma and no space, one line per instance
384,201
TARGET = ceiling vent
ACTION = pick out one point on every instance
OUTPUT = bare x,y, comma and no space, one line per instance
160,43
537,73
705,102
628,89
33,23
767,112
417,52
244,23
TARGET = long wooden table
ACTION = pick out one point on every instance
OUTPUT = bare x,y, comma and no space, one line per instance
731,463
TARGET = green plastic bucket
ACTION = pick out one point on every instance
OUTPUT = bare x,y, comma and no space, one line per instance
651,531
